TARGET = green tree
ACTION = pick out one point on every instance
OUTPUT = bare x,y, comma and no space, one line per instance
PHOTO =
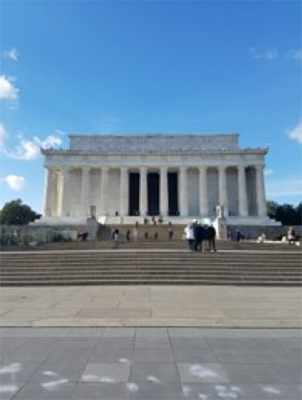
272,209
286,214
16,213
298,210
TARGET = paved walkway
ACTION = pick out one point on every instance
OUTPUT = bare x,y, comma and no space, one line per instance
150,363
203,306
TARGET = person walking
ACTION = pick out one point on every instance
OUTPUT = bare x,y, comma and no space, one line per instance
128,237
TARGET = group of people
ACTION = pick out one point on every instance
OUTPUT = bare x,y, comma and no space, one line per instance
115,234
200,237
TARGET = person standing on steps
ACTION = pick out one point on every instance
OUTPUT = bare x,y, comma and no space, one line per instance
116,238
212,239
135,233
199,237
189,234
170,233
128,235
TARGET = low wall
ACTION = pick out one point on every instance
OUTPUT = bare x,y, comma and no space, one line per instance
15,235
254,231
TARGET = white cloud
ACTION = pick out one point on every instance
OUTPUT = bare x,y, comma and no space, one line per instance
7,89
268,172
296,133
295,54
3,134
50,141
11,54
59,132
26,150
29,150
269,54
15,182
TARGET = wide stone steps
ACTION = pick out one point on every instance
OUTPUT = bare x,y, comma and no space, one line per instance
119,267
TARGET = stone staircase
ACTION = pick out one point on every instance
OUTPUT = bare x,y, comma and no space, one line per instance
150,262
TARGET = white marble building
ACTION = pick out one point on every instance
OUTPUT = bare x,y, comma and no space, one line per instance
180,176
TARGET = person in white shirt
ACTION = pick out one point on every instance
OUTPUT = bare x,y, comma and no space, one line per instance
189,234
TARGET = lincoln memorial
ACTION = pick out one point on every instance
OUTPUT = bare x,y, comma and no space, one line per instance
177,176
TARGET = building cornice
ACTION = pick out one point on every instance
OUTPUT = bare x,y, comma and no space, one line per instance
60,152
152,135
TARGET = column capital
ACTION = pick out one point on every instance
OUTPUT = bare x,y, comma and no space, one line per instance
104,168
66,168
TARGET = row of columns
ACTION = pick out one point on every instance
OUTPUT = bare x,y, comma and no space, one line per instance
143,200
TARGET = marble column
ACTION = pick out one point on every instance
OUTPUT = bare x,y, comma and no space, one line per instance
164,191
104,191
260,191
49,196
223,193
124,191
184,204
203,192
66,192
85,194
242,191
143,199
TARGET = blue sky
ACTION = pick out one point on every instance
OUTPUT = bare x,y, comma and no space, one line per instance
149,67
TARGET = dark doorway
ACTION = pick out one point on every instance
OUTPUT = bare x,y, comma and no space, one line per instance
134,193
153,193
173,193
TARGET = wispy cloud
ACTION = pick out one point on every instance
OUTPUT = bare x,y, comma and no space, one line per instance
268,172
28,149
15,182
8,91
290,186
3,135
267,54
11,54
109,124
296,132
295,54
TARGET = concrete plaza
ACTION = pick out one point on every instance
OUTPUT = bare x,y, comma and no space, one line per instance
150,363
202,306
150,342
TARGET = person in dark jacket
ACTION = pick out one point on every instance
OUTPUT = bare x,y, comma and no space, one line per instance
199,237
212,238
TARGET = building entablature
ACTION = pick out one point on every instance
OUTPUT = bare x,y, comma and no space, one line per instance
188,160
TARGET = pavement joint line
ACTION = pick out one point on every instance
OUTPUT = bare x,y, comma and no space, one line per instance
144,250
